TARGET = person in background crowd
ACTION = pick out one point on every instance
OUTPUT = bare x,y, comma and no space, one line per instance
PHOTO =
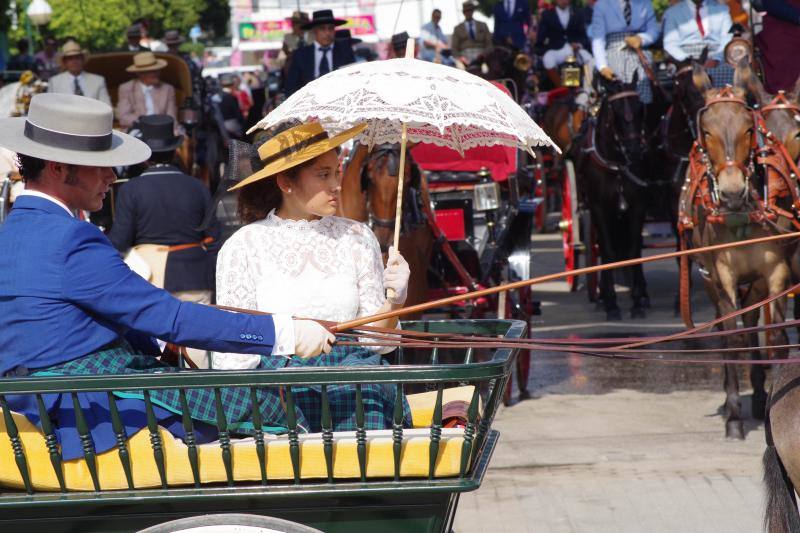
779,42
156,216
619,28
173,41
471,39
433,43
134,35
691,26
47,60
74,80
22,60
346,37
146,94
149,43
242,93
511,18
587,11
232,117
297,37
324,55
562,34
397,45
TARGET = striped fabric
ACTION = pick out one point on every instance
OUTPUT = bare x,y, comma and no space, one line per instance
624,62
721,75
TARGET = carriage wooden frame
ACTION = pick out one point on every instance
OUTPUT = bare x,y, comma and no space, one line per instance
408,504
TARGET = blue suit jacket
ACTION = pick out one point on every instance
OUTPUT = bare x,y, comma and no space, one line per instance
301,70
65,293
513,26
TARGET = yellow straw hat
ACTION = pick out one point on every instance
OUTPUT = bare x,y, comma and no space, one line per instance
295,146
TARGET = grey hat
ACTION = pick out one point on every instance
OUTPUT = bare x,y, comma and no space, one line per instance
71,129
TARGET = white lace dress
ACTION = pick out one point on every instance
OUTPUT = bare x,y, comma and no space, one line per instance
327,269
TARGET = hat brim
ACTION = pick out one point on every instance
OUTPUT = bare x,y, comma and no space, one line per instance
318,22
306,154
125,149
167,148
160,63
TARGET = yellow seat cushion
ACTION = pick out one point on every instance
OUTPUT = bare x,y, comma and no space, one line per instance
380,455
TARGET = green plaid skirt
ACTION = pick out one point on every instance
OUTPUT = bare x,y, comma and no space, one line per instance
378,399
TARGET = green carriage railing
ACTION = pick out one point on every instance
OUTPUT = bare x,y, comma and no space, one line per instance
487,370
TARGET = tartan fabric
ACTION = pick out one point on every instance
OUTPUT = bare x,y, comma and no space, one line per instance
721,75
625,63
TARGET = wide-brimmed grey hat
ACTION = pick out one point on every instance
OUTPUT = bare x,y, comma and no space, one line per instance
71,129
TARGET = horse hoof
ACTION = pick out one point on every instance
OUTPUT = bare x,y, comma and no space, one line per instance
613,315
734,430
524,395
639,312
759,405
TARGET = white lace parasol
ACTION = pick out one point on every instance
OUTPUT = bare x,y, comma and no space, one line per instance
439,105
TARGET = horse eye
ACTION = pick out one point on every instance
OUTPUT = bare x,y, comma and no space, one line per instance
706,133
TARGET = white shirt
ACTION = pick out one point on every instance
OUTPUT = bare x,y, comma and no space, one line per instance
327,269
30,192
510,4
563,16
150,106
318,58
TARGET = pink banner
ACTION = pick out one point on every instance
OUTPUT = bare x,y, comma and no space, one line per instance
274,30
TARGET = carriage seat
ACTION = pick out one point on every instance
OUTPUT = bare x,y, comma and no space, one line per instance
380,455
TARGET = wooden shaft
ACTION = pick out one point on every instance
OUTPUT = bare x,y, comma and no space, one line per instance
550,277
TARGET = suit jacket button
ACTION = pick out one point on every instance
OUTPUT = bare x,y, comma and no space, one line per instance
260,337
242,336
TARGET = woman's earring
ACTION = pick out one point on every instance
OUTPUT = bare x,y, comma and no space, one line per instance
289,190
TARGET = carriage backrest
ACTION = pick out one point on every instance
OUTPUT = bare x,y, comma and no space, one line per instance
112,67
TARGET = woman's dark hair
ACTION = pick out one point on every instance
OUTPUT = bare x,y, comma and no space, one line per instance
30,167
258,199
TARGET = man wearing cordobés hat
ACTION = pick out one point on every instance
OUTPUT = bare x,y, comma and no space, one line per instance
146,94
74,80
67,301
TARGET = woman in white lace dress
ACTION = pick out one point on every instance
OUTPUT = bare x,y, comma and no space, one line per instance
294,256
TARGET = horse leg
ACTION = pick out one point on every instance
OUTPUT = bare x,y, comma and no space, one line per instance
638,283
606,242
757,375
777,282
726,305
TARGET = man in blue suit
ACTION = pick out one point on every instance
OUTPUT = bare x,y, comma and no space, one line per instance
511,18
65,293
324,55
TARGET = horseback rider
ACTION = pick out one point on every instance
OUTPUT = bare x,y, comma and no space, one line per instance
690,26
562,34
619,30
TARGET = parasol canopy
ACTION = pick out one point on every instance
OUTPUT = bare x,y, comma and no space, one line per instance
439,105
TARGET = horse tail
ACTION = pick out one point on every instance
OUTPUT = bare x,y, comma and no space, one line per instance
780,515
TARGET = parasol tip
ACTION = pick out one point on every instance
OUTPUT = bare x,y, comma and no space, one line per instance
410,48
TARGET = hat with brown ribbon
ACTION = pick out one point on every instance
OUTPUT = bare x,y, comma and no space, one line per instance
294,147
146,62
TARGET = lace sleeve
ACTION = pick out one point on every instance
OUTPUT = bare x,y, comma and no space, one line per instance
236,288
370,272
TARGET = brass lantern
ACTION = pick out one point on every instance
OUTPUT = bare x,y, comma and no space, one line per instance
571,73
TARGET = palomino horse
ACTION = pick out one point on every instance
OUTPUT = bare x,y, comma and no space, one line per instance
369,194
609,164
721,204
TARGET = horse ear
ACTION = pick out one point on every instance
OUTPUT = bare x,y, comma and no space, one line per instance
796,90
703,56
635,80
700,77
745,78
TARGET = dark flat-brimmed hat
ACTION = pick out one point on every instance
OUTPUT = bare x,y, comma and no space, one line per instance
71,129
146,62
345,35
323,16
399,40
173,37
158,132
296,146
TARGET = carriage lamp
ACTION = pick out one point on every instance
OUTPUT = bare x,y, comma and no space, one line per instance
571,73
486,195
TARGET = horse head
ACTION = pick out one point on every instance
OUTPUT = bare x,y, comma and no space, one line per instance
726,134
379,180
622,116
686,96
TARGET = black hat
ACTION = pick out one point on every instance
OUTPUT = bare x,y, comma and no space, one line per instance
345,35
399,40
158,132
226,79
323,16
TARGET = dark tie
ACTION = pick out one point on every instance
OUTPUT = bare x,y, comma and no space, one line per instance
471,30
699,19
324,66
627,12
77,87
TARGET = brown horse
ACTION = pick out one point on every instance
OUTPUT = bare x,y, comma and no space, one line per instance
721,204
369,194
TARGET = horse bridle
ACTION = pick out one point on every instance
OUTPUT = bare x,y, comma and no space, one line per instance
780,102
378,152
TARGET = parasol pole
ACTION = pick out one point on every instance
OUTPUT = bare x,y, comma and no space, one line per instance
402,174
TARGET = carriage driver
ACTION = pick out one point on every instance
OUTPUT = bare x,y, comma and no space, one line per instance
562,34
65,293
146,94
690,26
618,29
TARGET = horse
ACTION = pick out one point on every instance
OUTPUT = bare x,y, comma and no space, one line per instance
503,63
609,163
369,194
720,204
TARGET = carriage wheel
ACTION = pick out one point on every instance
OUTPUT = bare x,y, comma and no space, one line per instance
570,224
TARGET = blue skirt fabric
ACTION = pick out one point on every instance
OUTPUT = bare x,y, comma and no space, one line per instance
237,402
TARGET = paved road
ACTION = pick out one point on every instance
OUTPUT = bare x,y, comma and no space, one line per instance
616,447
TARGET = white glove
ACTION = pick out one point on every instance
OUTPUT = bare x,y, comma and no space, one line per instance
311,338
395,277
